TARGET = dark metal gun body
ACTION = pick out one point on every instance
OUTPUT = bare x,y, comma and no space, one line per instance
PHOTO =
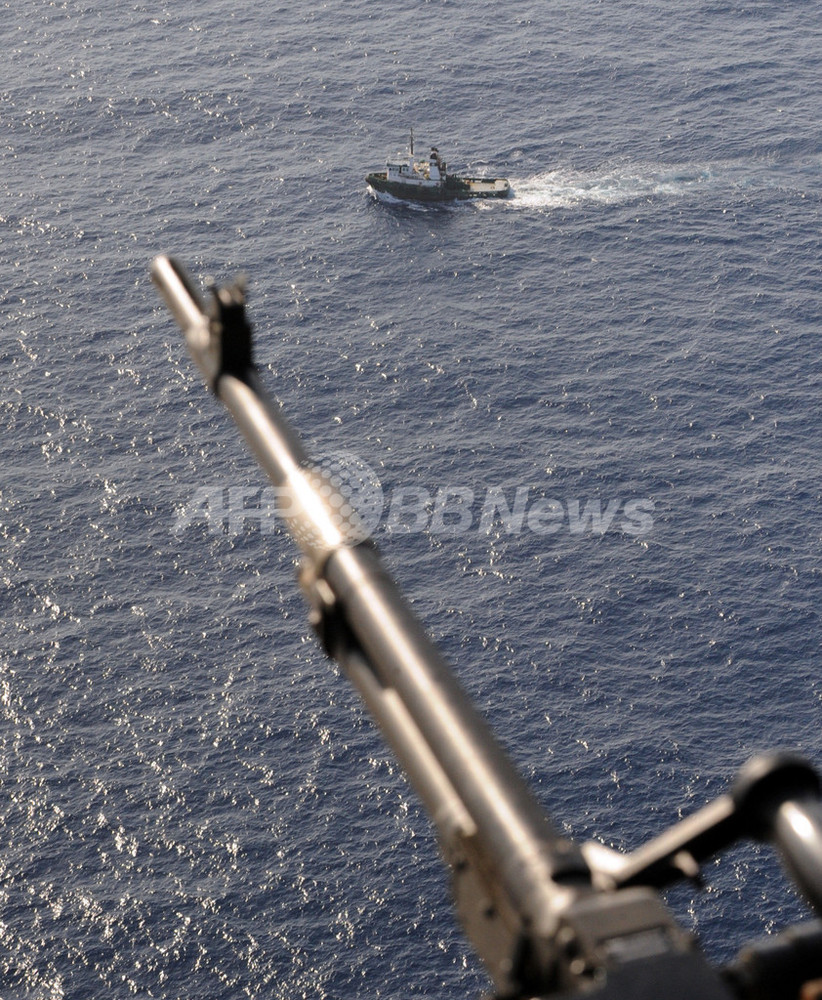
529,901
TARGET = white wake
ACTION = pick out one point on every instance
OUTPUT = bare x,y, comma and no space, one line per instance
564,187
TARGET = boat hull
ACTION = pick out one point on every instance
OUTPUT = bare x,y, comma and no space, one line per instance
451,189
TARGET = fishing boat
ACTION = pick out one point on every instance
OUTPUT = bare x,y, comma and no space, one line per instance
429,180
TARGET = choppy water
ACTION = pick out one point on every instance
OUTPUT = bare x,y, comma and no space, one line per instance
192,802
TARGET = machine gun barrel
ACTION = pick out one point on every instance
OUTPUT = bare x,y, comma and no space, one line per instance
524,893
482,801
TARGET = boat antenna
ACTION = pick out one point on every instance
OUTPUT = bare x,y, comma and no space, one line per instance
412,140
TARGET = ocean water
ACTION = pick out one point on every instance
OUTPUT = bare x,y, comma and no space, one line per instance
592,410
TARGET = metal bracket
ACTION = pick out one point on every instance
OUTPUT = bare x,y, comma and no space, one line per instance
230,330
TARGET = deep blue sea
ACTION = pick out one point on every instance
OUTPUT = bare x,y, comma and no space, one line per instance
593,412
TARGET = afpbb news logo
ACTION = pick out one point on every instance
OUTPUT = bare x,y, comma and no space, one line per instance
361,507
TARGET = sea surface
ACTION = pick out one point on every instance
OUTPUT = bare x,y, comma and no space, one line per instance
589,415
